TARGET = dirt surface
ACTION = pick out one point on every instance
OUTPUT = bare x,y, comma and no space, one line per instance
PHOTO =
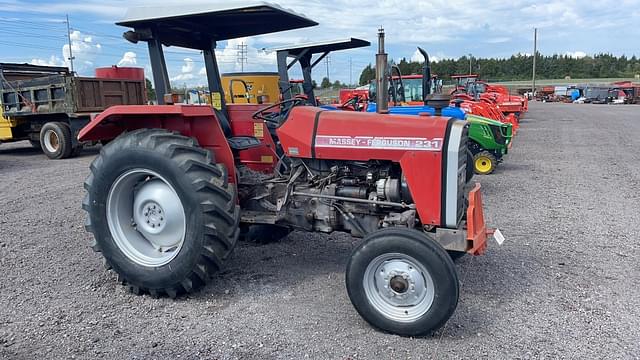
563,285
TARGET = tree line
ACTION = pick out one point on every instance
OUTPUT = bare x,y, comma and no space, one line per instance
519,67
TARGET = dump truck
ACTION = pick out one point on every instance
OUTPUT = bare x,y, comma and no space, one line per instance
49,105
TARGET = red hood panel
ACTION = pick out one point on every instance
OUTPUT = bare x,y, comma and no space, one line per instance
312,132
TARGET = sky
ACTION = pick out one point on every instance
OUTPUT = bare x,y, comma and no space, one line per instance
35,32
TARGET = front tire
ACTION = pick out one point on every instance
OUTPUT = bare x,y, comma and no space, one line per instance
484,163
401,281
55,140
161,211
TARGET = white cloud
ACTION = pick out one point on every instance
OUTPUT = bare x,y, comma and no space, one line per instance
441,27
498,40
52,61
84,52
576,54
129,58
417,56
228,61
258,59
188,66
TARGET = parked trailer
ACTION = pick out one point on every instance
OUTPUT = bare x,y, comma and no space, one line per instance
49,105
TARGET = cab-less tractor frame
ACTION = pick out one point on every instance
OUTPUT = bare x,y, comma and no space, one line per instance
168,196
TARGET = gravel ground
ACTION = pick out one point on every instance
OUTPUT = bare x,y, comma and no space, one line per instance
563,285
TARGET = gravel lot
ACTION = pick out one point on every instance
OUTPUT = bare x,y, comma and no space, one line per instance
564,284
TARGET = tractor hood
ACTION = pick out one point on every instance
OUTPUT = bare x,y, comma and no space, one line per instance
311,132
484,120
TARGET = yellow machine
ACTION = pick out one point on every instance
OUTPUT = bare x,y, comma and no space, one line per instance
250,87
5,127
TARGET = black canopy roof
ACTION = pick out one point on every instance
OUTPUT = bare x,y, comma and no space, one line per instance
197,26
324,46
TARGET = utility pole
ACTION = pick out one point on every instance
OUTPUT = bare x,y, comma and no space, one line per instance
535,53
470,56
327,61
71,58
242,55
350,71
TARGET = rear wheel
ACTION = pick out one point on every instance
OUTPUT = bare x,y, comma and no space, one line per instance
402,281
484,163
161,211
55,140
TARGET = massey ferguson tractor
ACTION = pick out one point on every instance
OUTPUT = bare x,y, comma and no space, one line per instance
170,194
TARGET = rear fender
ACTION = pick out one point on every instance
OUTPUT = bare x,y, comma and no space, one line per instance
199,122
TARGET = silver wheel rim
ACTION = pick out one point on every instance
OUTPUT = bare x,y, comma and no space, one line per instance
399,287
146,217
51,141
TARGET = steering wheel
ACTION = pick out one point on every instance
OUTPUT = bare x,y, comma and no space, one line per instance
352,102
273,118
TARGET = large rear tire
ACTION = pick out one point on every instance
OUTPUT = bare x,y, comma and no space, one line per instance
162,212
402,281
55,140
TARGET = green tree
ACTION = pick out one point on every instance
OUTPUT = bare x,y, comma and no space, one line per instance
326,83
519,66
368,74
151,93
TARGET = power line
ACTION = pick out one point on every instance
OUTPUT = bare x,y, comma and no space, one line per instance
327,60
242,55
535,52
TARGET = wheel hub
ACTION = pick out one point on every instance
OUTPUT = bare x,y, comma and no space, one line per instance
399,284
152,215
483,164
399,287
51,141
146,217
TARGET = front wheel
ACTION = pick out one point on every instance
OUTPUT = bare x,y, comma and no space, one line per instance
402,281
161,211
484,163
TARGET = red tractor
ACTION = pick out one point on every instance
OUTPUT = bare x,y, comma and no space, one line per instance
170,194
497,94
484,107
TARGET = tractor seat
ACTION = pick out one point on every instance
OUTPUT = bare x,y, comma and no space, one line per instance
238,143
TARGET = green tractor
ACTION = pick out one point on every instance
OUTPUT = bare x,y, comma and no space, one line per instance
490,141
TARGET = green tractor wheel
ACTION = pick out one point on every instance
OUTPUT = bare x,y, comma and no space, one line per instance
484,163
